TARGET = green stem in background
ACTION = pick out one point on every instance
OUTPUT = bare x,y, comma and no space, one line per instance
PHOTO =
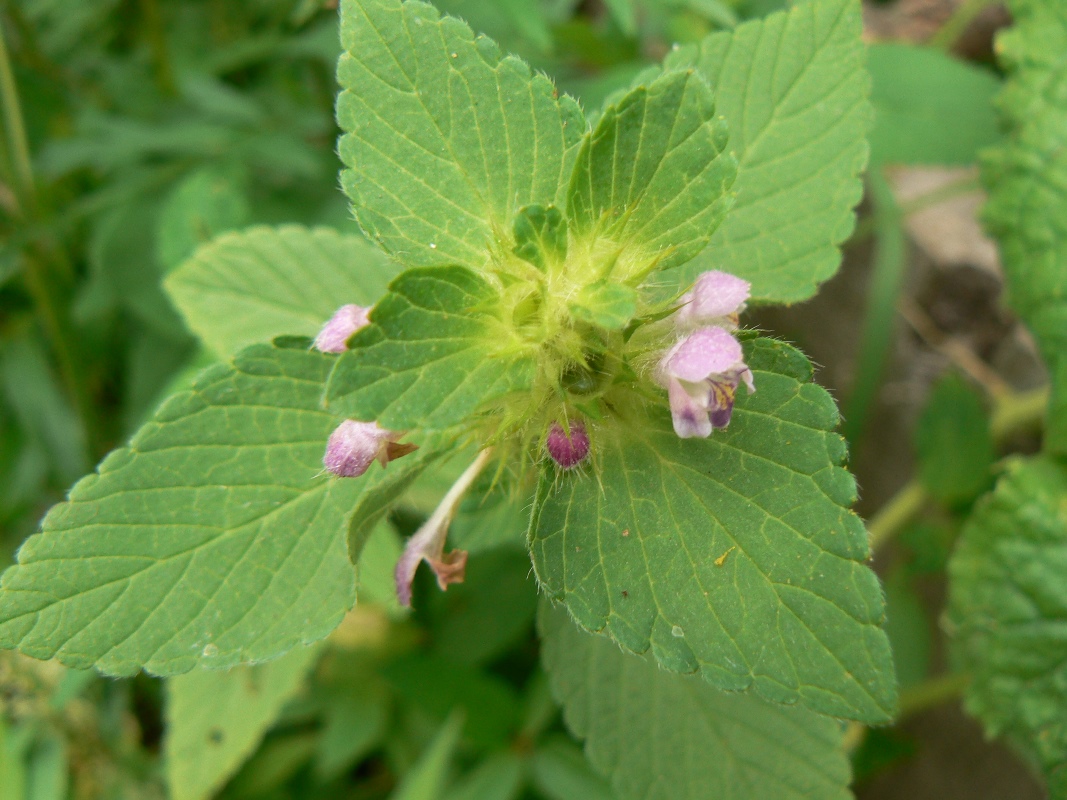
913,700
954,27
157,41
1018,411
1012,412
895,514
886,281
932,692
15,134
51,311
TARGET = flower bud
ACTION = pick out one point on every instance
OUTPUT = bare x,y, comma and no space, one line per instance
334,336
568,450
354,445
717,298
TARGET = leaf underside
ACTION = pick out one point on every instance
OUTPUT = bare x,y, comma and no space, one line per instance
250,286
215,719
659,736
213,538
734,556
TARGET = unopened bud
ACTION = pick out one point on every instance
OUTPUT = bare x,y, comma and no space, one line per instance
568,450
334,336
354,445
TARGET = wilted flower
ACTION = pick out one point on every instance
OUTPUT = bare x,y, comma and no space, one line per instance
354,445
334,336
428,543
701,373
568,450
716,299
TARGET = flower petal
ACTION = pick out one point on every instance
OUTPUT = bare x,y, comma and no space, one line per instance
689,415
704,352
334,336
715,296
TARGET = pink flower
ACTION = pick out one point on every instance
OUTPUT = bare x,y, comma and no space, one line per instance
354,445
717,298
568,450
334,336
701,373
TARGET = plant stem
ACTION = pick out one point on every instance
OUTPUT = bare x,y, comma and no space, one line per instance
41,287
897,513
954,27
15,134
1012,412
932,692
1017,411
876,338
963,185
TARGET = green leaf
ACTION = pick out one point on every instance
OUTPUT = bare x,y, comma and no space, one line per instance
212,538
434,353
954,442
929,108
427,779
445,139
735,556
205,204
658,735
541,236
653,177
251,286
489,612
499,777
561,772
439,687
1008,610
793,90
216,719
607,305
1027,181
355,707
908,628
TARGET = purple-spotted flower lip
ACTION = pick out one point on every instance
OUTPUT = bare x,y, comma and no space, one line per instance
334,336
701,373
354,446
716,299
568,449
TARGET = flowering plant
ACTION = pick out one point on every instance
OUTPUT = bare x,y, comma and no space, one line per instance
539,342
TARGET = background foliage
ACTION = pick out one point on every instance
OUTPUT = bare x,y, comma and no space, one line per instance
151,152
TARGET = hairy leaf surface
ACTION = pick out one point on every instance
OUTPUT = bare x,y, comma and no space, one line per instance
659,736
734,556
793,90
434,352
446,138
251,286
652,177
213,538
1008,612
1027,181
